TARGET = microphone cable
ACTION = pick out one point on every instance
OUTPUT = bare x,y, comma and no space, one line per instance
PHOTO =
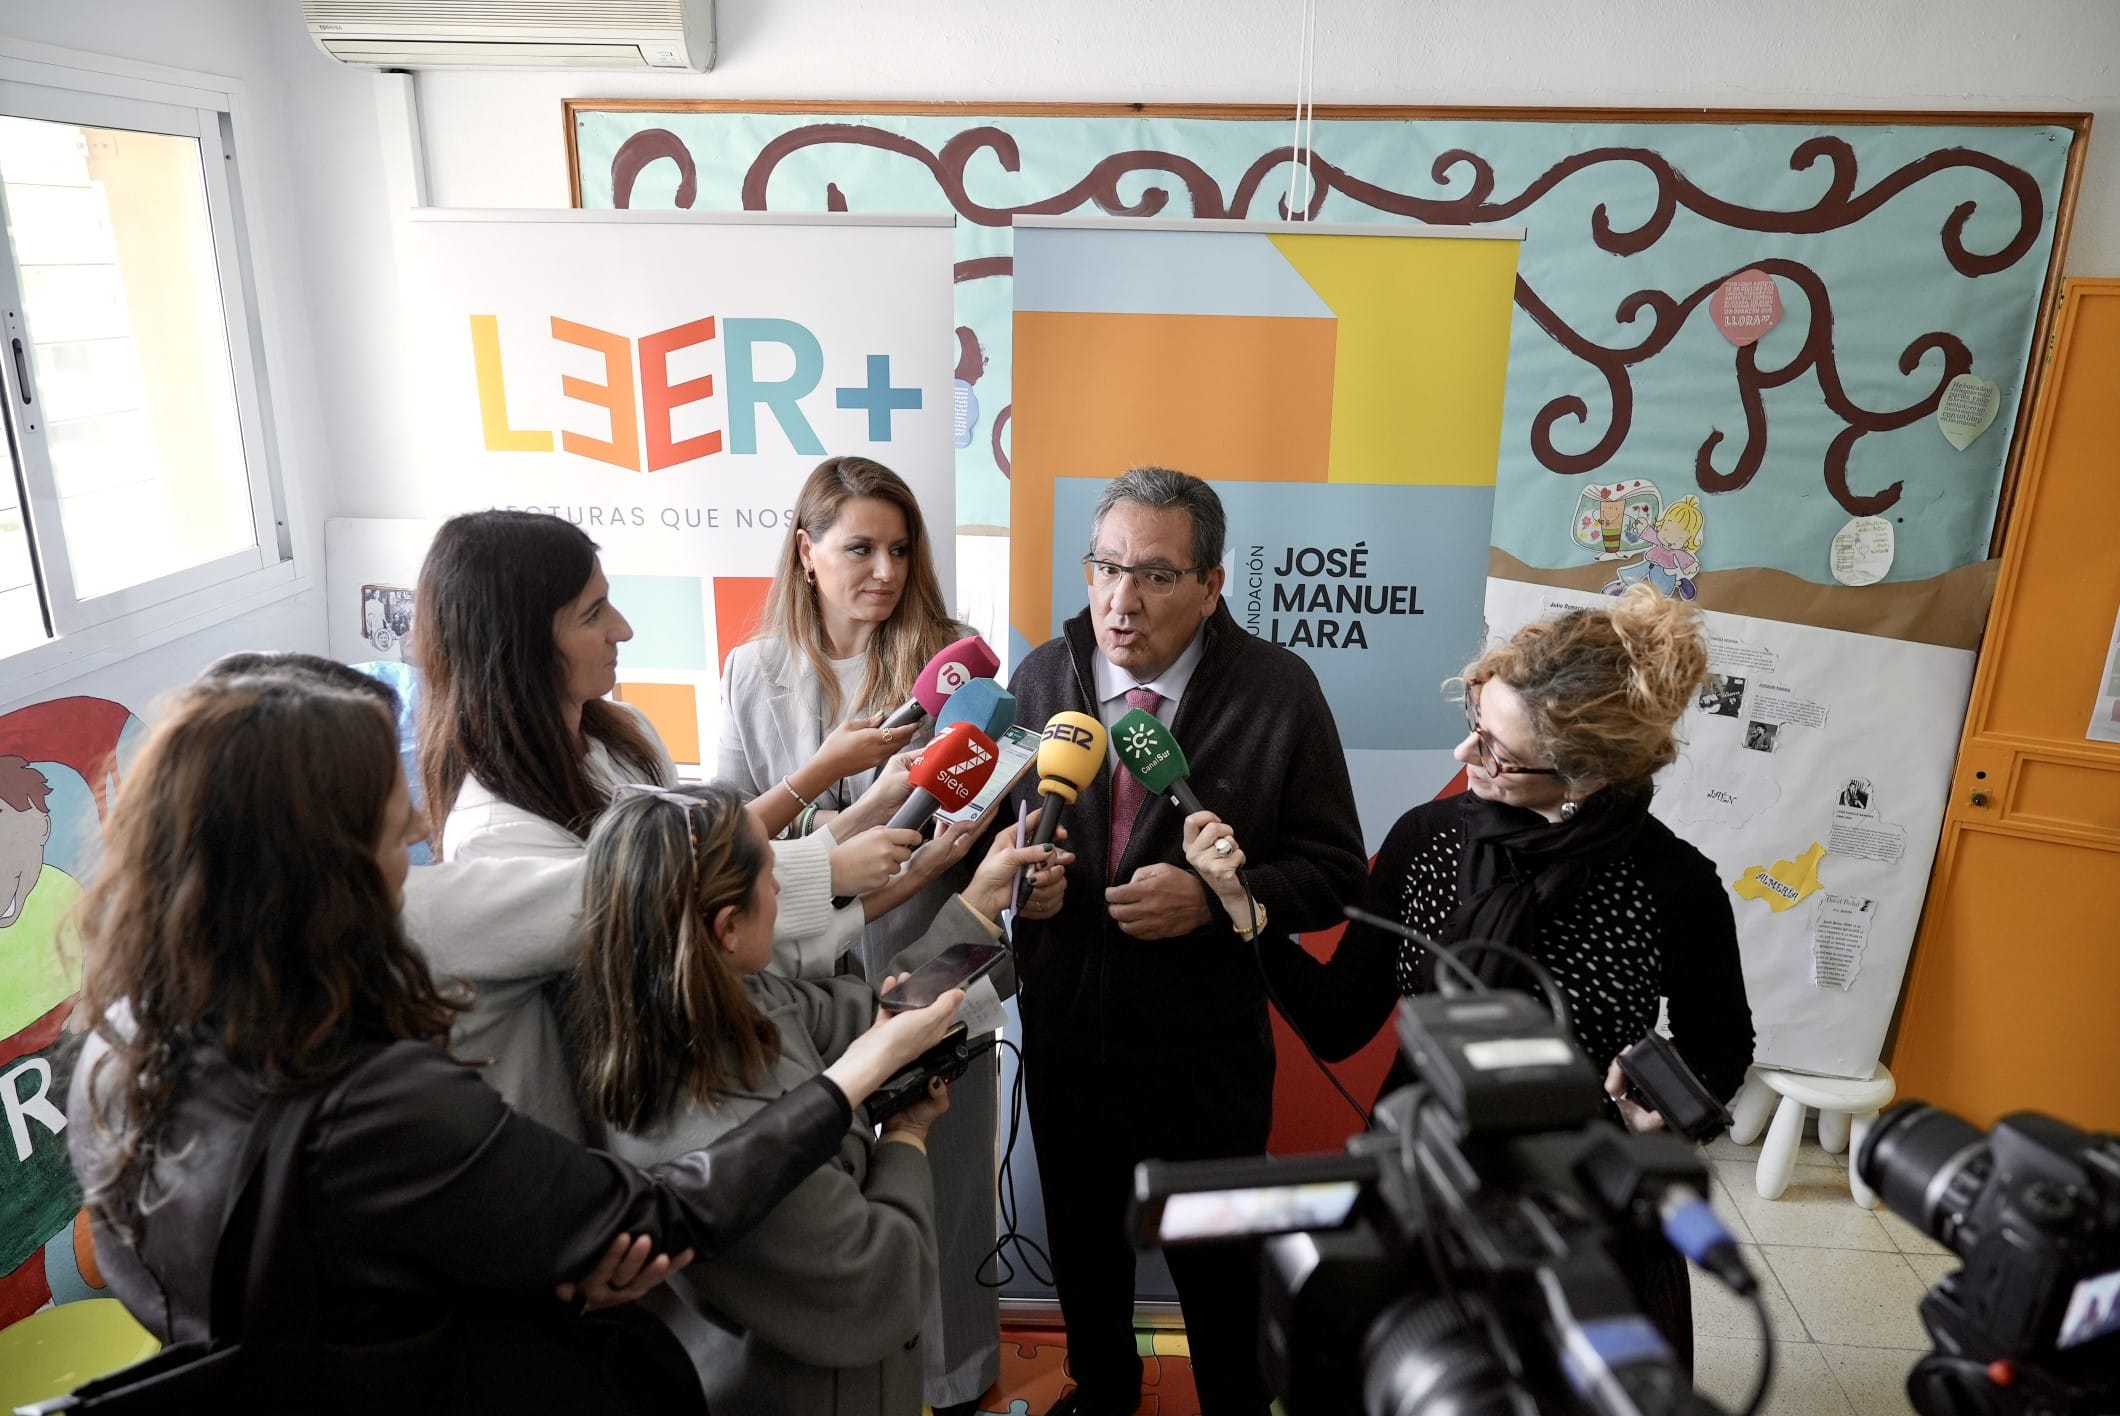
1036,1262
1258,959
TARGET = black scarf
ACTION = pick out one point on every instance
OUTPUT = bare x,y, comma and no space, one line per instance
1516,864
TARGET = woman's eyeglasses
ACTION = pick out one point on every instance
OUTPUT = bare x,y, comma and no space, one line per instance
1489,758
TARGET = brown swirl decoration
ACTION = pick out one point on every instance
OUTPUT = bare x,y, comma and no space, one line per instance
1840,205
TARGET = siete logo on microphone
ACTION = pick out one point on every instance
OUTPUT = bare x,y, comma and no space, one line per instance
955,772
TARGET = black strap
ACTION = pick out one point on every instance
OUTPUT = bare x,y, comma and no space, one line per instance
264,1279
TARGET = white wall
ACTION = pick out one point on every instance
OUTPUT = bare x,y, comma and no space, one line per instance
230,39
496,139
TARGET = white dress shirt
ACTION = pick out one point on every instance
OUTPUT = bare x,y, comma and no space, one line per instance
1113,683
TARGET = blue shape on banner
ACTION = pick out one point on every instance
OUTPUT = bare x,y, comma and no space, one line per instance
1380,589
879,397
784,396
669,618
1177,273
967,413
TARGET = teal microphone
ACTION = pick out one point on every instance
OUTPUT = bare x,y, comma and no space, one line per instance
1147,750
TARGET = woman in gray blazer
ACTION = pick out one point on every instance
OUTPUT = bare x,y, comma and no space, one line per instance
819,1310
854,614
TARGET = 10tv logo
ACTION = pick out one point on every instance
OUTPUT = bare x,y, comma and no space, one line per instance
642,409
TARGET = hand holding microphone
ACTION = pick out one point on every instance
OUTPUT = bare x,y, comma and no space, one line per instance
949,773
1070,752
951,669
1155,905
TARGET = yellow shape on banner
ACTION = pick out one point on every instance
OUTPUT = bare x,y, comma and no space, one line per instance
1784,883
1423,353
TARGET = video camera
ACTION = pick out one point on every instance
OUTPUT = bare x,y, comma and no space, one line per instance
1463,1256
2032,1322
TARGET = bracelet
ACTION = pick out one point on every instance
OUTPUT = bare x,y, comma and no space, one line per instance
807,821
1258,922
789,787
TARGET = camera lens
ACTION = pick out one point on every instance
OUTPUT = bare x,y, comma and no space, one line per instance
1927,1164
1424,1359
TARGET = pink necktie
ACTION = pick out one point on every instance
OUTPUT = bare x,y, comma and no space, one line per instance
1128,795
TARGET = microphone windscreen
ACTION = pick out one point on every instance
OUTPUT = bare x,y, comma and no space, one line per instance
983,703
1147,749
955,765
1069,753
953,667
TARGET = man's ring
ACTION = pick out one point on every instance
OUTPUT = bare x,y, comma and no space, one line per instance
1224,846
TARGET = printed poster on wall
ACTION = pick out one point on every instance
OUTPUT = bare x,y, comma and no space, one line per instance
667,381
1341,388
1813,771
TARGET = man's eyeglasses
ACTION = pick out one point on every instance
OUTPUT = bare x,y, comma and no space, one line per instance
1152,579
1489,758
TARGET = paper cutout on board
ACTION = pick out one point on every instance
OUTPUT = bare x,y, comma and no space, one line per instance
1863,835
1863,550
1613,518
1723,695
386,616
1729,654
1669,564
1784,883
1717,795
1840,931
1745,306
1778,703
1968,409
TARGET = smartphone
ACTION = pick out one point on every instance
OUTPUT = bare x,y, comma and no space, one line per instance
955,967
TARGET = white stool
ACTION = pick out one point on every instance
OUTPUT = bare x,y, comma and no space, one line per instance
1845,1108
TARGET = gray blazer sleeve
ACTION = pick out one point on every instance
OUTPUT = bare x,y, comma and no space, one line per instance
839,1274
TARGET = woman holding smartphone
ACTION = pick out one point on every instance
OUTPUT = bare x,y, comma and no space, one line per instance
820,1310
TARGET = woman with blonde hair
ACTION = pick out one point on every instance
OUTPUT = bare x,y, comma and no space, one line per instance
682,1036
1552,851
856,611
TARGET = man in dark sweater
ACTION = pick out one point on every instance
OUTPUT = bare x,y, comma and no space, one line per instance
1144,1016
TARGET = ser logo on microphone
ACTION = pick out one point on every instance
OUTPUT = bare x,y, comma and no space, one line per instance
1071,732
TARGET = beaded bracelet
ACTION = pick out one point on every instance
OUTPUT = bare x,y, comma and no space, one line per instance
789,787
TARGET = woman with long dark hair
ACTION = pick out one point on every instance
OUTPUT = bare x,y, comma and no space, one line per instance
817,1312
517,641
241,942
855,612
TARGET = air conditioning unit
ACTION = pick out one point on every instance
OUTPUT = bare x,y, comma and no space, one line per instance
515,34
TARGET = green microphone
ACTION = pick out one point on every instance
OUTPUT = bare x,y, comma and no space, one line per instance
1147,750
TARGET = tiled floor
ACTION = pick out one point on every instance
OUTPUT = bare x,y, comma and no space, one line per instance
1841,1284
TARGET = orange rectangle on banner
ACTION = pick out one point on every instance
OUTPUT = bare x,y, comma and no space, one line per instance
1225,397
739,603
674,710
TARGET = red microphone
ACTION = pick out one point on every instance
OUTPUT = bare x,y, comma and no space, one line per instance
952,668
948,773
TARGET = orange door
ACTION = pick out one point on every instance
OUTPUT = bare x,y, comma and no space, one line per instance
2013,1002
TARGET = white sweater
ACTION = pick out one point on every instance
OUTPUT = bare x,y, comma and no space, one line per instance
499,912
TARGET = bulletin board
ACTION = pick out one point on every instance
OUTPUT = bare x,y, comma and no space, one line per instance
1890,256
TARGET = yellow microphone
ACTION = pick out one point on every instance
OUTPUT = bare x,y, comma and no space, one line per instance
1070,753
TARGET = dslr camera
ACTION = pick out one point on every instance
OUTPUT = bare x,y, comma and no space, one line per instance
1464,1255
2031,1323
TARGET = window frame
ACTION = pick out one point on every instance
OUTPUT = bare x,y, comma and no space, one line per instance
42,82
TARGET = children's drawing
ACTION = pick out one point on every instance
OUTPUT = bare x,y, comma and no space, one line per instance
1669,563
1611,518
59,764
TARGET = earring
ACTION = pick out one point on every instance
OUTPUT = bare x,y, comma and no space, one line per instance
1569,808
809,573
